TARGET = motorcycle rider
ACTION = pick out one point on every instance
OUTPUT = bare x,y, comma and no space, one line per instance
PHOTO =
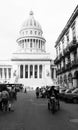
54,92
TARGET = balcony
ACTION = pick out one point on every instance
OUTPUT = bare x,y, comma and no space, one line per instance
57,60
74,63
66,51
58,71
73,45
68,67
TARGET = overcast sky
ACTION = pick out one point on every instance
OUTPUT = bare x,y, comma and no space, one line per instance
51,14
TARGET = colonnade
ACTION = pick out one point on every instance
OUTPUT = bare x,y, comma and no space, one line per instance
5,73
31,71
32,43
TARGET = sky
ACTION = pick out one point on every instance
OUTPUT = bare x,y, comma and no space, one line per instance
52,15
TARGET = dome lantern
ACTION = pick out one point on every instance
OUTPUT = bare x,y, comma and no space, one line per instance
31,13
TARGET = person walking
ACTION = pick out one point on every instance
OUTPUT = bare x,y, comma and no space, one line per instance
5,98
11,99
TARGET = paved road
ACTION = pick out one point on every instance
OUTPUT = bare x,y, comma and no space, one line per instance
32,114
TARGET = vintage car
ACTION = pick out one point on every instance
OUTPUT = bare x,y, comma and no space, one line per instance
71,96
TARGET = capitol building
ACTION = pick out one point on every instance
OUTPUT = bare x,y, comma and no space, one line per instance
30,64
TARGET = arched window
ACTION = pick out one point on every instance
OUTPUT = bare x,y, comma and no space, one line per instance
31,71
76,75
36,71
65,79
21,71
40,71
61,80
26,71
70,78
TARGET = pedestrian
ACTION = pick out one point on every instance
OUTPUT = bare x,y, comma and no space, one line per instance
11,99
0,101
25,90
5,98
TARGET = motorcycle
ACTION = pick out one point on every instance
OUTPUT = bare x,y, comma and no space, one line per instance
53,104
37,94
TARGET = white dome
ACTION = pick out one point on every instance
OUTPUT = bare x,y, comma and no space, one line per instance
31,23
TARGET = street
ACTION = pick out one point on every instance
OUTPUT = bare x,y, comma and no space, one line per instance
32,114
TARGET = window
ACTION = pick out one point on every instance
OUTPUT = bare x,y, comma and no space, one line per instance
30,32
21,71
26,71
63,43
38,33
70,78
35,32
65,79
0,72
67,35
39,43
31,43
26,32
73,31
40,71
56,51
31,22
34,23
36,70
5,73
31,71
9,72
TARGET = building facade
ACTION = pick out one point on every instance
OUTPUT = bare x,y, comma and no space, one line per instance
30,64
5,71
31,61
67,53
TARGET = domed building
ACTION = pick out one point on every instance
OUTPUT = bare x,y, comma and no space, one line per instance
31,63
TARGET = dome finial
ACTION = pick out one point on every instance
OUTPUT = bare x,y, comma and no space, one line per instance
31,13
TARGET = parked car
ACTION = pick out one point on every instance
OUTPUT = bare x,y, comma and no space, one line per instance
71,96
69,90
61,93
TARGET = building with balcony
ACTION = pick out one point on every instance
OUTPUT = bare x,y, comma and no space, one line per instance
67,53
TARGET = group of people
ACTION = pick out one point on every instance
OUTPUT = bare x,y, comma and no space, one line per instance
7,97
49,91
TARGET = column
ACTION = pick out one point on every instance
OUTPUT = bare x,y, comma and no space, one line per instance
70,34
23,71
33,71
76,26
38,72
43,71
6,73
40,44
19,71
28,71
65,41
2,73
77,53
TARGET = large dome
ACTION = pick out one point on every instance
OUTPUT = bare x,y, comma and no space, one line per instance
31,23
30,36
